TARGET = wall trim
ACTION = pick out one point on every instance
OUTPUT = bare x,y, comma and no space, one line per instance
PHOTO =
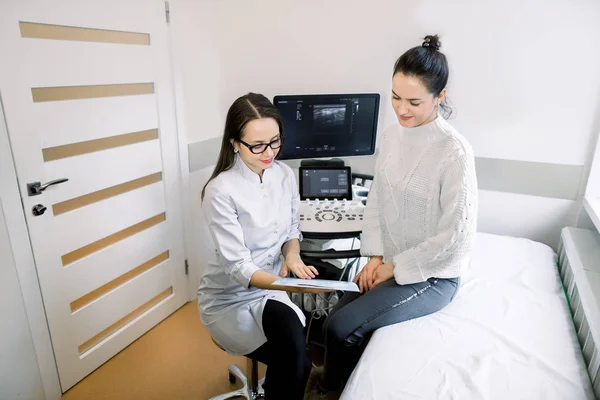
558,181
204,153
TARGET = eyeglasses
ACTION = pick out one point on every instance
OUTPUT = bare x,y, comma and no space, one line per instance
262,147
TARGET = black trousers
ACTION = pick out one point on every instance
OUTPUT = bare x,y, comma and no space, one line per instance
285,354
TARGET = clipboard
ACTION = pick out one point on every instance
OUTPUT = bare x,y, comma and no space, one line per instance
318,284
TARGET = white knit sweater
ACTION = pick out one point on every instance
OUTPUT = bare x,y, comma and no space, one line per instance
422,207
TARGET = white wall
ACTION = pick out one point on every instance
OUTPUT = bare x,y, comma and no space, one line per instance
19,374
524,75
197,49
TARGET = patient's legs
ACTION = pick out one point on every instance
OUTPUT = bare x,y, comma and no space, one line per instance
285,353
356,316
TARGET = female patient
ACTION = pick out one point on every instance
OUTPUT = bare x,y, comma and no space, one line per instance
420,218
250,204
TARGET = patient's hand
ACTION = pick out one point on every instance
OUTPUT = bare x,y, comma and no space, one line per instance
365,278
383,273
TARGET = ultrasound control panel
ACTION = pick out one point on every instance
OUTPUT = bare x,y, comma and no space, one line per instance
325,216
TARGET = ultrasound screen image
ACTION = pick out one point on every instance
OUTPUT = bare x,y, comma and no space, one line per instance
328,117
328,125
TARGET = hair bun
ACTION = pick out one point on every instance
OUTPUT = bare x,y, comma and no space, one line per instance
432,41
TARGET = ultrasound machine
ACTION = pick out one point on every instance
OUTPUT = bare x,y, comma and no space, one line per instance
318,129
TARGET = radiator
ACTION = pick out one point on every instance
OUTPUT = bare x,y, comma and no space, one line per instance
579,267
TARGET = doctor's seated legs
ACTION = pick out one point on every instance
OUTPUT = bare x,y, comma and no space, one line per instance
285,354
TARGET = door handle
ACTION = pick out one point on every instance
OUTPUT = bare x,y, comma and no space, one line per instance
35,188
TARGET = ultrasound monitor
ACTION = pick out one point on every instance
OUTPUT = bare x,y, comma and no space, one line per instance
332,183
328,125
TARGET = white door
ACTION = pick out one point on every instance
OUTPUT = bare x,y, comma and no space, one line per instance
88,96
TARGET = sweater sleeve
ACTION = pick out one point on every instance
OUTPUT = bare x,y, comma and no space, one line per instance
371,243
456,229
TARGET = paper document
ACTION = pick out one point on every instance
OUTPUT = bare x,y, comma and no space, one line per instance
318,284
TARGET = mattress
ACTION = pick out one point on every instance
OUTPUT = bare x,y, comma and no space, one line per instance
507,335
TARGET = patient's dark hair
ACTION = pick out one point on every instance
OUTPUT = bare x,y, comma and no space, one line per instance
429,64
243,110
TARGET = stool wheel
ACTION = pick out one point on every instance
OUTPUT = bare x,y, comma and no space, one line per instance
232,378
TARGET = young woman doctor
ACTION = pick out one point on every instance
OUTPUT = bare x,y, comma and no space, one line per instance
250,205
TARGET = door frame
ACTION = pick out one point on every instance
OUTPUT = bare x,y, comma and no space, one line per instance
188,198
184,171
18,234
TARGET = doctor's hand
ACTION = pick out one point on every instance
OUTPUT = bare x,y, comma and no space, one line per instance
294,264
383,273
365,277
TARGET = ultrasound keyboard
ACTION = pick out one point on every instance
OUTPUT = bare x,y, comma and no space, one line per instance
331,216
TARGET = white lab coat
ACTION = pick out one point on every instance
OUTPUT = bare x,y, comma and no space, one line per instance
249,222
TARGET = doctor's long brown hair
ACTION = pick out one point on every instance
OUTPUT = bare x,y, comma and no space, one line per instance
243,110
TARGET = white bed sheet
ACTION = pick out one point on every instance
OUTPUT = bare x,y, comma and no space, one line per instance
508,335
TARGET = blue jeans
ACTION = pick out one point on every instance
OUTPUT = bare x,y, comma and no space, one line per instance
357,315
